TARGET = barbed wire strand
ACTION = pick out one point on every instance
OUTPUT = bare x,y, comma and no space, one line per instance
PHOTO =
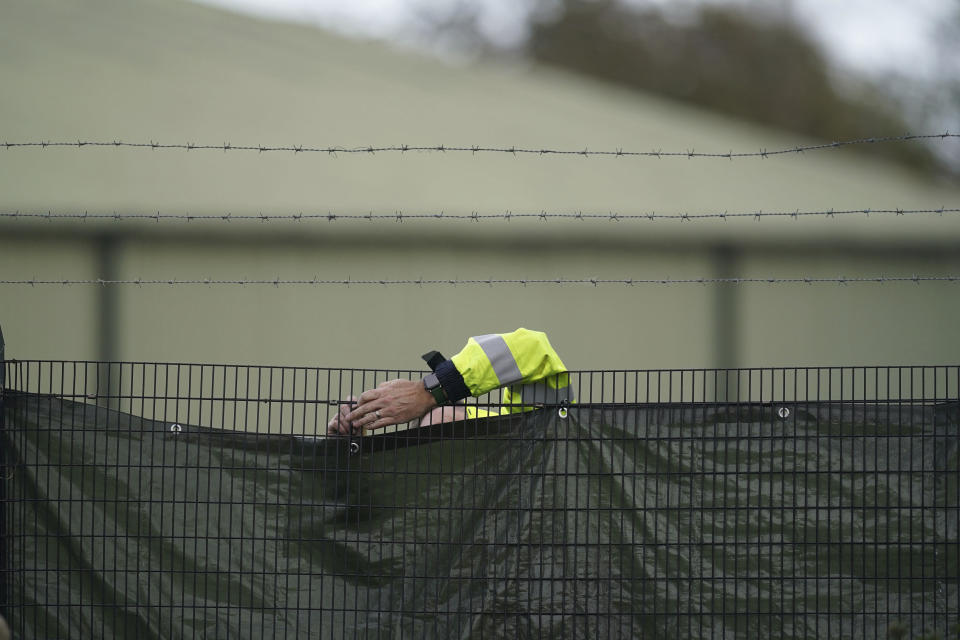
400,216
586,152
348,282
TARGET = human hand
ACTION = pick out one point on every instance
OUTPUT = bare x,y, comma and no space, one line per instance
392,402
339,425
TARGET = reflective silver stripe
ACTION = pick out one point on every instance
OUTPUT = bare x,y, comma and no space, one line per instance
497,351
542,393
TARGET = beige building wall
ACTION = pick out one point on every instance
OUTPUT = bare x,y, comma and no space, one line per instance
175,72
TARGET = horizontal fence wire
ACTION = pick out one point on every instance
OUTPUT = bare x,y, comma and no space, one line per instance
512,150
454,282
158,500
200,394
507,216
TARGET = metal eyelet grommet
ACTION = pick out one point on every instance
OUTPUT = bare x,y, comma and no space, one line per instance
175,428
783,412
354,448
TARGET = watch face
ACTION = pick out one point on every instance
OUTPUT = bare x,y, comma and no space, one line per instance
431,381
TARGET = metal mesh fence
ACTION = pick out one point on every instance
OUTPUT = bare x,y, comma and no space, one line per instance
191,500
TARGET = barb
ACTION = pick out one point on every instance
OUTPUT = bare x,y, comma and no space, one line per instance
347,282
400,216
473,150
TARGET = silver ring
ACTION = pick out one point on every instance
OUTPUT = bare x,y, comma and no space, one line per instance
377,413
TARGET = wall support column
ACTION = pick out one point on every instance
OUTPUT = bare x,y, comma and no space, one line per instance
726,321
108,322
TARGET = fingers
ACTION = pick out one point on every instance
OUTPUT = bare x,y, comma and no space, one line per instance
340,424
357,415
369,396
371,417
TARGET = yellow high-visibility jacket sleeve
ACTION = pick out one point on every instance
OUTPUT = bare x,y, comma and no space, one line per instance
511,359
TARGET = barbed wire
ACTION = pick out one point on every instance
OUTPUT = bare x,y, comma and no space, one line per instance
596,282
400,216
532,151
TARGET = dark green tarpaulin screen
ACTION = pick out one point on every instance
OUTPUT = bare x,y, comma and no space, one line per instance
702,521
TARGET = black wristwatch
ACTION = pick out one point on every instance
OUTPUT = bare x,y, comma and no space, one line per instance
432,384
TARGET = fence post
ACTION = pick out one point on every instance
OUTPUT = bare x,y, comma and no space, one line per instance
4,602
